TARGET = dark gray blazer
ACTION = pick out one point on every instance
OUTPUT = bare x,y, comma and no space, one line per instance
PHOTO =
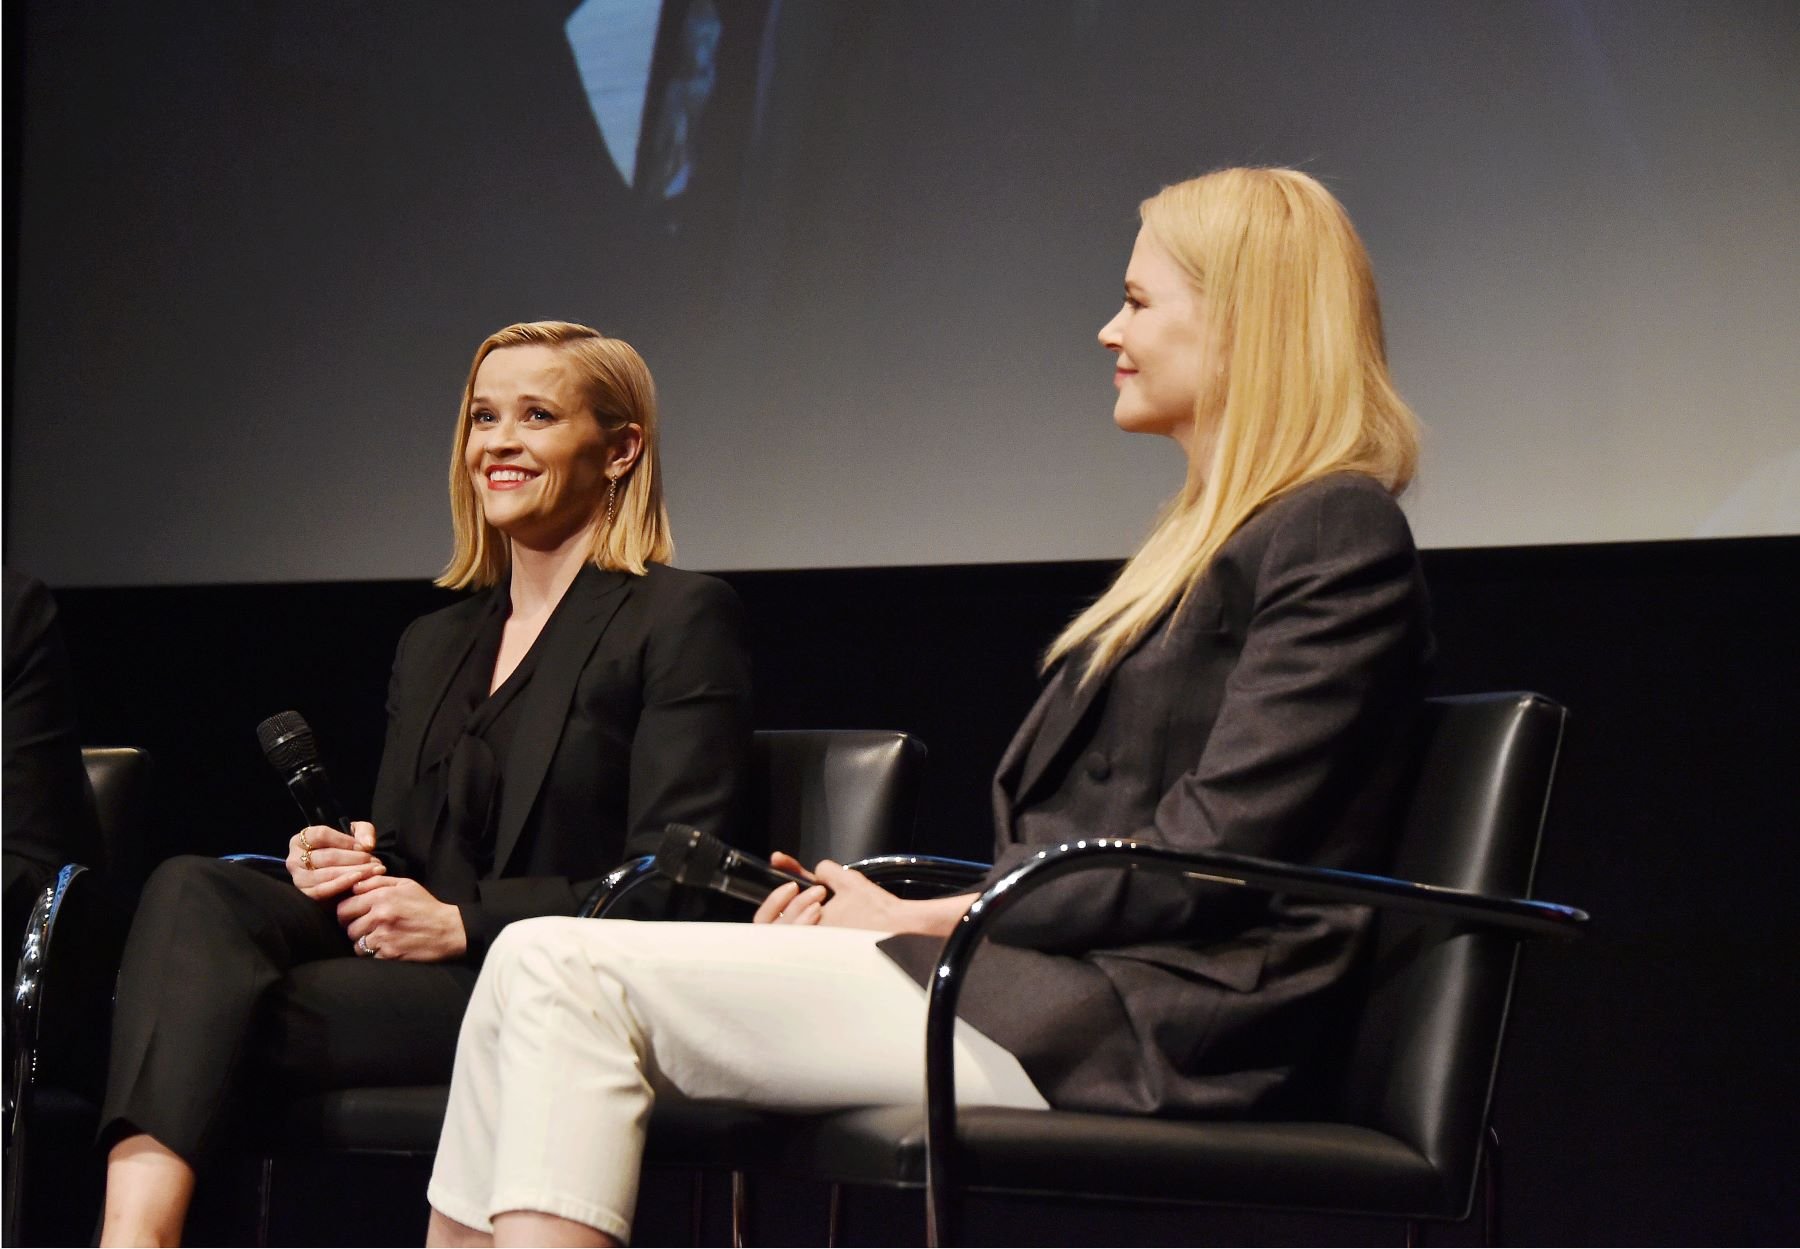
1266,718
638,714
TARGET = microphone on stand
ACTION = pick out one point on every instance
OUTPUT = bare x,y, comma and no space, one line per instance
692,857
287,743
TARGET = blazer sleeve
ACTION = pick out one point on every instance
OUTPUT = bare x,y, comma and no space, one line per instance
1330,671
689,752
690,755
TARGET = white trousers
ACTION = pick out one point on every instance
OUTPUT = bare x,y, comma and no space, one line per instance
578,1025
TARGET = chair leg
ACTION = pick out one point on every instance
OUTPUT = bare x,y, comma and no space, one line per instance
834,1224
740,1208
943,1217
15,1178
1490,1187
265,1196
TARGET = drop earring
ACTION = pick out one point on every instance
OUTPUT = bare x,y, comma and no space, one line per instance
612,496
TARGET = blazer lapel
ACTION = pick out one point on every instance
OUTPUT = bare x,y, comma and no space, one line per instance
1006,787
1066,702
570,639
443,655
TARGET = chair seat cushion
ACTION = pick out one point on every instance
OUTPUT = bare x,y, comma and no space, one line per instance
408,1120
1319,1166
363,1120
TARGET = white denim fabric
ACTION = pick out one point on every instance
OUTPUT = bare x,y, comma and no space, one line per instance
578,1025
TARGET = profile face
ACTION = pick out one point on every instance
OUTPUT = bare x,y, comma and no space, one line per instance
536,454
1165,347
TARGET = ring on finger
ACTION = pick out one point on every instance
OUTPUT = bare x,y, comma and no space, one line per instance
306,858
363,949
305,842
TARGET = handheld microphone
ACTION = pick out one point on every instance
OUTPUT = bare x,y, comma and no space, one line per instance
692,857
287,743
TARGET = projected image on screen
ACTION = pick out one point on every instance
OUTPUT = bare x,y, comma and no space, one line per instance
865,248
650,130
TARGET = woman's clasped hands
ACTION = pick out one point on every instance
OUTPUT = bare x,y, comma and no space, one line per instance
387,917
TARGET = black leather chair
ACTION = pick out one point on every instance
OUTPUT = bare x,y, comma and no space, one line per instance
61,1003
839,793
1408,1130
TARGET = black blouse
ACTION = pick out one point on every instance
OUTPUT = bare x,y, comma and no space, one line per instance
454,803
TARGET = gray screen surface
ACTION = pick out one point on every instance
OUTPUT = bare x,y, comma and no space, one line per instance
865,248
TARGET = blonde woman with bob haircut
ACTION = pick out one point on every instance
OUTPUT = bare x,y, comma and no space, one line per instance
539,732
623,401
1246,683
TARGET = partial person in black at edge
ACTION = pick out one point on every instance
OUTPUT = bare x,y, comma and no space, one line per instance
1246,683
49,811
537,734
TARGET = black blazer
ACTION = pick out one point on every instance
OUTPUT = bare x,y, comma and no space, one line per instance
637,715
1266,718
50,816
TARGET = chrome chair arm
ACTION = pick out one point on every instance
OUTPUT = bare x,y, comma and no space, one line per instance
1522,916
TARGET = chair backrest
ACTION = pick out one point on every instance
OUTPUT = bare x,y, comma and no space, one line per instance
119,778
841,794
1427,1044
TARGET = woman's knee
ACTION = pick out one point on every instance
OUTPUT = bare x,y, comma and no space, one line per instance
182,868
193,895
550,955
531,948
185,881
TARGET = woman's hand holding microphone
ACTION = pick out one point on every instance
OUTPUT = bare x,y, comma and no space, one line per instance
855,901
324,862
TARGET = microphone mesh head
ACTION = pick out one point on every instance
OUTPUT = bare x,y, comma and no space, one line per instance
287,742
689,855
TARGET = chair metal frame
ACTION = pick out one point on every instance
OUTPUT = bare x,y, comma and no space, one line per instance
1525,917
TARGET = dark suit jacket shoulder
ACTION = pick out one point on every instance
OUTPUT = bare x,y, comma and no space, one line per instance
638,714
1265,717
50,817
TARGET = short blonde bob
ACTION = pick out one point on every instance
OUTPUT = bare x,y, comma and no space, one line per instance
1303,392
620,392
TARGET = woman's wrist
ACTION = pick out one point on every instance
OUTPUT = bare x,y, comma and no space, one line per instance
938,917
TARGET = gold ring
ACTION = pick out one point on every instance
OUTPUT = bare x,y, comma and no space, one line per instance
305,843
306,859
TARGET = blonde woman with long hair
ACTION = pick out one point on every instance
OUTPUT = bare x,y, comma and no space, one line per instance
1245,683
540,731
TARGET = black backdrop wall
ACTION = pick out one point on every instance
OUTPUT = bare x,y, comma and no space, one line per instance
1648,1094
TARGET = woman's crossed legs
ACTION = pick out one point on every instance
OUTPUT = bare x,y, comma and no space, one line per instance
577,1025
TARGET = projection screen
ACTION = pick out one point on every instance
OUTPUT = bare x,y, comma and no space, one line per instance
865,248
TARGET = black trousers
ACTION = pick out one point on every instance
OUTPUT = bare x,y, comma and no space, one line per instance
235,984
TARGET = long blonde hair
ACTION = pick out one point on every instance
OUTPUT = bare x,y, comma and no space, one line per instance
620,392
1304,391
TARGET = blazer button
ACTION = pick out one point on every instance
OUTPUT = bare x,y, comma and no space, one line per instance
1098,766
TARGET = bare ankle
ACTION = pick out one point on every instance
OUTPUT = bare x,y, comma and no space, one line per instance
148,1188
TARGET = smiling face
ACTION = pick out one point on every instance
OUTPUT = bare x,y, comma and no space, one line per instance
1166,348
536,454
